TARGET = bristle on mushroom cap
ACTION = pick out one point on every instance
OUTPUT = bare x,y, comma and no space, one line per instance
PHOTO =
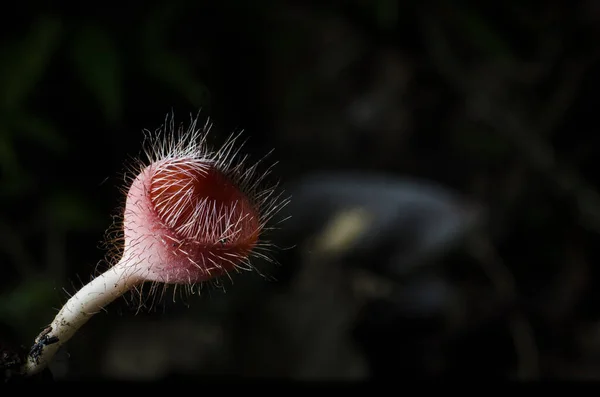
192,214
186,222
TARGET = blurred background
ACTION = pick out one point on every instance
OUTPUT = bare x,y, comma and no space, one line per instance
439,157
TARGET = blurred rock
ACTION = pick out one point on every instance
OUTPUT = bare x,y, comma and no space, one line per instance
409,222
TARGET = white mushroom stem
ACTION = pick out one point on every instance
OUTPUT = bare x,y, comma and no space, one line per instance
88,301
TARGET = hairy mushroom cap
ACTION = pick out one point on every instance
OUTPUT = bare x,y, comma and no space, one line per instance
187,222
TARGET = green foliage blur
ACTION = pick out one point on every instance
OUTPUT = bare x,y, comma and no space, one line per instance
98,63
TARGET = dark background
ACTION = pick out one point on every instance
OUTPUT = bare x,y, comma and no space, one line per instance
494,102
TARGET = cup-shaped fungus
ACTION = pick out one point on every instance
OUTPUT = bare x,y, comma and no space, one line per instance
191,214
